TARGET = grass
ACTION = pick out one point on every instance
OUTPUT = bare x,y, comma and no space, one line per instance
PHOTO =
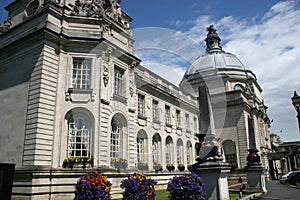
162,194
233,195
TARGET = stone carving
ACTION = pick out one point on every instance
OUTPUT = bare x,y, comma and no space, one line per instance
98,8
106,59
105,75
212,39
208,149
253,158
5,26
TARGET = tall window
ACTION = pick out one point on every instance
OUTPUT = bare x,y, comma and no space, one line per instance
115,139
141,146
155,111
230,153
118,82
187,122
81,73
141,105
140,149
167,115
156,146
169,150
189,151
195,124
78,138
179,151
178,119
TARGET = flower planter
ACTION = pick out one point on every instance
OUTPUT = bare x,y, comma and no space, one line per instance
181,167
170,167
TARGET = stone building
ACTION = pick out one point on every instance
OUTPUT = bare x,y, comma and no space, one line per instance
238,114
71,87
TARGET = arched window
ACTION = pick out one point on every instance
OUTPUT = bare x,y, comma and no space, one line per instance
156,148
189,151
230,153
169,150
141,146
115,139
78,138
180,152
239,87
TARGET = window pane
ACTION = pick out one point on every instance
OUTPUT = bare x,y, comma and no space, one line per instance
178,119
155,111
167,115
78,139
141,105
115,140
118,82
81,74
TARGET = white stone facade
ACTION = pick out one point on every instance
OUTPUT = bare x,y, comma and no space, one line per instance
70,86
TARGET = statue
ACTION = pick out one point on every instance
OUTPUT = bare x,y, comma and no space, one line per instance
253,158
5,26
212,39
208,150
98,8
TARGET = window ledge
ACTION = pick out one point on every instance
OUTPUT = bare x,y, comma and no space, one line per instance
142,117
156,121
168,125
77,95
120,98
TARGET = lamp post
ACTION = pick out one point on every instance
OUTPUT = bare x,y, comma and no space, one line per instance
296,104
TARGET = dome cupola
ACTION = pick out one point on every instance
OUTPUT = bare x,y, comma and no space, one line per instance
215,57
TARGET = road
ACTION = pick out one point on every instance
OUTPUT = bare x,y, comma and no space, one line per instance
277,191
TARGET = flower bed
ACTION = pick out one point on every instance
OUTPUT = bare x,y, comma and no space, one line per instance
142,166
119,163
157,167
139,187
83,162
170,167
93,186
187,186
181,167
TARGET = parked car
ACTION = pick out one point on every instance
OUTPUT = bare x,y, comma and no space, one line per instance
294,179
284,178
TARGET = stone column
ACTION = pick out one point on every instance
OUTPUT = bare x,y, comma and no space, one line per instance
214,175
255,173
210,165
256,179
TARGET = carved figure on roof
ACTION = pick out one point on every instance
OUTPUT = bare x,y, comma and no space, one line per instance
97,8
212,39
5,26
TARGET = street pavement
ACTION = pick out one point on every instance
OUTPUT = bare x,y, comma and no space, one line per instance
278,191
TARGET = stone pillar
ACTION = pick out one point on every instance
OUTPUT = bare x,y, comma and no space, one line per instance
255,172
256,178
214,175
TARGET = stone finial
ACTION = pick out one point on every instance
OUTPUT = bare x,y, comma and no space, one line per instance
212,40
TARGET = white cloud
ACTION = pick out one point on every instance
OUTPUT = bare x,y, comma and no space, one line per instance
270,47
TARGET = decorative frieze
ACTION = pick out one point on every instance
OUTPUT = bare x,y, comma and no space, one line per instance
106,60
5,26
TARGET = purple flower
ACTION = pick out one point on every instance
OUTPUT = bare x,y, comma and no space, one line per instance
138,186
187,186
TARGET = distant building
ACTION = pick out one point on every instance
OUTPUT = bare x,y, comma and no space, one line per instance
71,87
291,159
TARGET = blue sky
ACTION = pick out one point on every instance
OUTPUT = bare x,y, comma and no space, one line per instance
264,34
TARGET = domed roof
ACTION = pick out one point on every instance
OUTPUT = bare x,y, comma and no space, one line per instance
215,57
215,60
